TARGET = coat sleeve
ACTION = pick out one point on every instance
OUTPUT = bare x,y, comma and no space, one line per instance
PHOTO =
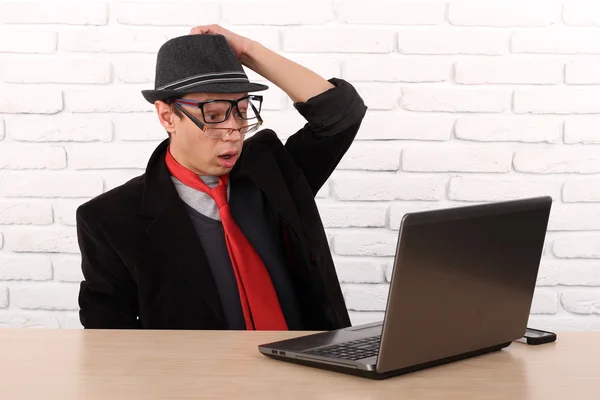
333,119
108,294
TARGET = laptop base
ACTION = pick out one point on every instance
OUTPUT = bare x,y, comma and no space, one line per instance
378,376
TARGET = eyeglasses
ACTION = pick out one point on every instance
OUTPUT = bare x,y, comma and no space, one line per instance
218,111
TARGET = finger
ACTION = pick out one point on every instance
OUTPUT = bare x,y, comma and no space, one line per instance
200,30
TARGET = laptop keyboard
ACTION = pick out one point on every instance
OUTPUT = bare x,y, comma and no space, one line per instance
354,350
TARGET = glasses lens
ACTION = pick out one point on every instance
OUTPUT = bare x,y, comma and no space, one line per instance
248,109
219,133
249,129
216,112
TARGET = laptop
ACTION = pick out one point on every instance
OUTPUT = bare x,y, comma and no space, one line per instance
462,285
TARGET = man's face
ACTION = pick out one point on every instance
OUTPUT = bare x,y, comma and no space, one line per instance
191,147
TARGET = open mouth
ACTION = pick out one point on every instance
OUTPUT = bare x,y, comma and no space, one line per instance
227,160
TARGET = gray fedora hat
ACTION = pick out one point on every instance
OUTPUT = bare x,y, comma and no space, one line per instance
198,64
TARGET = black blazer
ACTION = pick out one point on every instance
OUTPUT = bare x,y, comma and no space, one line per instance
144,266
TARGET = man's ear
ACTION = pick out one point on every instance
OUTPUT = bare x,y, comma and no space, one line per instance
165,115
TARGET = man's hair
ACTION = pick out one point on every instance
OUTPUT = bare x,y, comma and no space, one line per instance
171,102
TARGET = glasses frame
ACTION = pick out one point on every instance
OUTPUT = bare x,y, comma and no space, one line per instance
233,103
204,127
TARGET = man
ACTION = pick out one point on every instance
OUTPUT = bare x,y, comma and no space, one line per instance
222,230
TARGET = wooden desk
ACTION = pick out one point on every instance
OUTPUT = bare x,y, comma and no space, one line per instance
111,365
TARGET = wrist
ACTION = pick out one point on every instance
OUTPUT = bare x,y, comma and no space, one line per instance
248,51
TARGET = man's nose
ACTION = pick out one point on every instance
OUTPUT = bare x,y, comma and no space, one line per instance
234,124
234,136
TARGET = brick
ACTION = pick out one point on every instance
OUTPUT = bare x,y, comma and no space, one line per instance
365,242
510,70
51,184
110,156
275,99
405,126
374,156
3,297
456,159
284,123
58,71
19,320
47,297
72,321
505,14
50,240
501,189
583,301
578,245
556,41
309,12
115,178
558,160
575,217
112,40
25,213
323,193
358,270
128,99
1,240
581,190
569,273
365,317
582,130
379,96
139,68
389,68
384,186
19,100
389,269
60,128
27,41
399,210
2,129
366,297
138,127
564,322
574,100
21,267
438,99
67,268
492,128
582,72
21,156
453,41
545,301
64,210
60,12
336,215
581,13
338,39
188,13
380,12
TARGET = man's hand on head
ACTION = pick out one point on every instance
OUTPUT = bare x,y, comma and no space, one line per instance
238,43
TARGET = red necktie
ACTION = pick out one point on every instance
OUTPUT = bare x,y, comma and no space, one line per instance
258,298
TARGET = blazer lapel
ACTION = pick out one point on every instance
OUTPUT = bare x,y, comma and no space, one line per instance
173,232
259,164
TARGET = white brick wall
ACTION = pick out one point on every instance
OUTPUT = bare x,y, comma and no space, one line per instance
469,101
